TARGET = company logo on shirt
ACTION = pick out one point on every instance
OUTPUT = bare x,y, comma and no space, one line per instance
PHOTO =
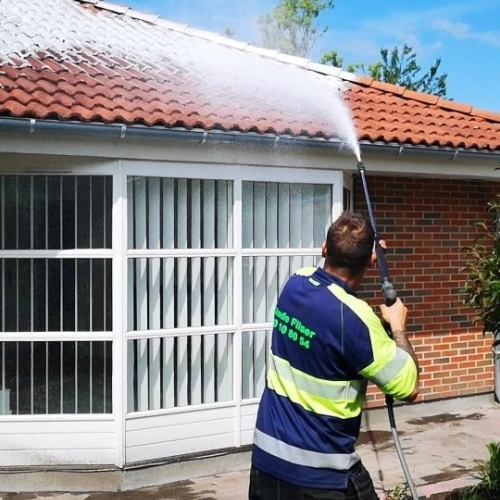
293,328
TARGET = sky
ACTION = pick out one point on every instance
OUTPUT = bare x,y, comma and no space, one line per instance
465,34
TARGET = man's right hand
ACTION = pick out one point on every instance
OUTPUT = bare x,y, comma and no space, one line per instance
395,315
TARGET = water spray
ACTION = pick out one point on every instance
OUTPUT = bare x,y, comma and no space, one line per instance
389,297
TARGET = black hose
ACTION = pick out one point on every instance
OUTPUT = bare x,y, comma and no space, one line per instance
389,297
399,450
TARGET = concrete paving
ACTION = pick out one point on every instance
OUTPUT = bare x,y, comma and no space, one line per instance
440,451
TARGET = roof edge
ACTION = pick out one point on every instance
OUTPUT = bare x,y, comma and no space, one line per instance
31,126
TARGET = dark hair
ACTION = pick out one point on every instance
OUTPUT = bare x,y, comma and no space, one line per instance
349,243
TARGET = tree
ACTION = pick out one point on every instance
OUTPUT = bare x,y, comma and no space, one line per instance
290,27
400,67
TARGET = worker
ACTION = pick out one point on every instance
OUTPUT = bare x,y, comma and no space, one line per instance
326,345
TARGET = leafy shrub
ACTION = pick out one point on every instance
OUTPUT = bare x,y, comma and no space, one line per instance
482,287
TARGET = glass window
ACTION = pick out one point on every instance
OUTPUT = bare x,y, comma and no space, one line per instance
186,291
54,294
285,215
55,212
55,377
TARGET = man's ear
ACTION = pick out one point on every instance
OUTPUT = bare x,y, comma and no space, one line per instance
323,250
373,258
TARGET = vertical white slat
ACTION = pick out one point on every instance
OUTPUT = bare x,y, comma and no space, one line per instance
260,285
268,282
130,211
259,235
295,224
247,305
32,378
130,375
168,212
209,208
223,292
4,402
247,237
307,216
182,305
75,367
141,268
91,386
271,242
142,375
46,377
322,212
260,356
154,294
283,232
141,243
61,378
195,294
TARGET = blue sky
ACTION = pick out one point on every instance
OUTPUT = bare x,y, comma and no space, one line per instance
464,33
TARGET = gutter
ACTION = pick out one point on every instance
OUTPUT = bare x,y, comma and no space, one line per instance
199,136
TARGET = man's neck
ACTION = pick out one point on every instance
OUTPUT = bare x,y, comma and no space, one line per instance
341,274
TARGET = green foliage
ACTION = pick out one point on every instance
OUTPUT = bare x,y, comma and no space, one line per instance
482,287
290,27
488,471
400,67
400,492
332,58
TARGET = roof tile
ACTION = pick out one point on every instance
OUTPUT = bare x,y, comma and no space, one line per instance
455,106
487,115
388,87
419,96
112,64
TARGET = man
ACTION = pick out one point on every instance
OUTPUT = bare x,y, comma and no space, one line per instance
326,345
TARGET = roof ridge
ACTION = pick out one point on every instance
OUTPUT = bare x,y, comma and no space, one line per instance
302,62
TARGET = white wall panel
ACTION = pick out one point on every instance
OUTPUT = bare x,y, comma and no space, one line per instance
57,442
172,434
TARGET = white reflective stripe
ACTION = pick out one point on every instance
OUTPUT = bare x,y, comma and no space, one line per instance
391,369
327,389
307,458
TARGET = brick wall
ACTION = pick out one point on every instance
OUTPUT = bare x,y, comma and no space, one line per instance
425,223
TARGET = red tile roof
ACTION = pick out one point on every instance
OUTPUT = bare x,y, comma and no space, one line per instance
91,61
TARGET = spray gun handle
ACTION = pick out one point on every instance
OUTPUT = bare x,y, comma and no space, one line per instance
389,294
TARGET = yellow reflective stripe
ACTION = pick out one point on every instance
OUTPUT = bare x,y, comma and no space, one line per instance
308,458
306,271
402,384
392,369
341,399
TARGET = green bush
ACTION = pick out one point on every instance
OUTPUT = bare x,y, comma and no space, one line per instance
482,286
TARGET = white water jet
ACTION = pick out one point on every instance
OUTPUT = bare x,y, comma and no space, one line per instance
204,66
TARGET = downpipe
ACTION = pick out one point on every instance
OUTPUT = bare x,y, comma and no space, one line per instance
389,297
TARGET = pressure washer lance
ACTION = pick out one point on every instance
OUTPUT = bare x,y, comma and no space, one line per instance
389,297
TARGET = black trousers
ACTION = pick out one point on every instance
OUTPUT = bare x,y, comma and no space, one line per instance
266,487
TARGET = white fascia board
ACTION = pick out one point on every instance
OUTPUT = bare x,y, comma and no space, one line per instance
90,154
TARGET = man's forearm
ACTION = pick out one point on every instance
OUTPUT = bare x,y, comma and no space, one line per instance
402,341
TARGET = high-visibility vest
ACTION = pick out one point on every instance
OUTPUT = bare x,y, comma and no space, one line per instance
326,344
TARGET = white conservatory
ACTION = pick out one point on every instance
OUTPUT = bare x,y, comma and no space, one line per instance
136,298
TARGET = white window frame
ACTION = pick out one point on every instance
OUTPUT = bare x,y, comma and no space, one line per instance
237,174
